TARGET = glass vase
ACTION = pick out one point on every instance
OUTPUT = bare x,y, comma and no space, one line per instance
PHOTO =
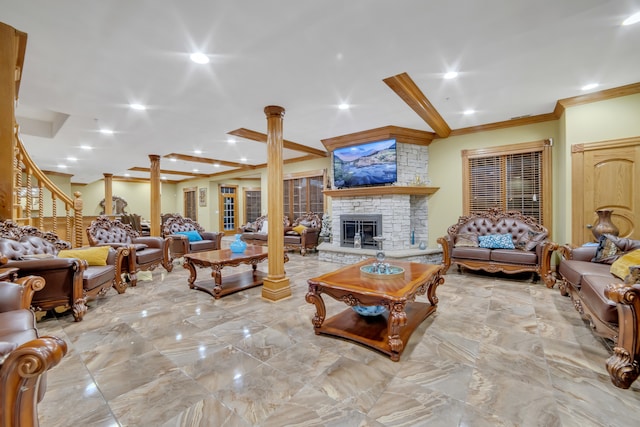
238,245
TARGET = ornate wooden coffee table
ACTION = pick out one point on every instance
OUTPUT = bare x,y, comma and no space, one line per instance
219,259
387,332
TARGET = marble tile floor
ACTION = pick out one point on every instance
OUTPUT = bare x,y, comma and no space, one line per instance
499,351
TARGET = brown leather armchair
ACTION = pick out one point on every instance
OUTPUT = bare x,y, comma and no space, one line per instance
145,253
182,244
25,356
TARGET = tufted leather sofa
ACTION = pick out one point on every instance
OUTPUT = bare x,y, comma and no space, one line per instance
611,307
71,282
254,234
174,223
532,250
308,237
145,253
24,356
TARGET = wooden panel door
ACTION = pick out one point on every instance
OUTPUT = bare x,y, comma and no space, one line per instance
606,175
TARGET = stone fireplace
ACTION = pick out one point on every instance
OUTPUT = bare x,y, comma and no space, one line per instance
402,209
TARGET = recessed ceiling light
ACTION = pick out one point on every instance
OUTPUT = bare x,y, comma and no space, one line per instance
197,151
231,140
243,159
86,147
173,159
196,170
139,107
343,106
633,19
451,75
469,112
199,58
72,159
127,174
589,86
106,131
62,166
216,165
163,177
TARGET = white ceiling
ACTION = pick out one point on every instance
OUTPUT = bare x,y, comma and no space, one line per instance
87,60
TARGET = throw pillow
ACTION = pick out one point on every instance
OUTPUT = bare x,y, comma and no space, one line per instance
192,235
534,237
496,241
607,251
94,256
299,229
265,228
620,267
468,240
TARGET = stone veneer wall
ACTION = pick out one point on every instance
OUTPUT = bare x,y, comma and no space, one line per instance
400,213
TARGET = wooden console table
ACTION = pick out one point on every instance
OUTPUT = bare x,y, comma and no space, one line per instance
390,331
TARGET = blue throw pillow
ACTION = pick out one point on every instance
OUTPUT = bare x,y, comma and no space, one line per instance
496,241
193,235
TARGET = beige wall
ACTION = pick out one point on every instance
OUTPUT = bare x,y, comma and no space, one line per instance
136,194
445,169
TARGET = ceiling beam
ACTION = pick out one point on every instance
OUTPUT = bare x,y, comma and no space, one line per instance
169,172
261,137
410,93
197,159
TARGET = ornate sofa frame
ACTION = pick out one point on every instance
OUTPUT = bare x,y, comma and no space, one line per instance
211,240
105,231
611,307
70,282
310,235
27,357
496,221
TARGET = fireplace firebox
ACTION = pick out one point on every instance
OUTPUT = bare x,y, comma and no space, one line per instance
368,226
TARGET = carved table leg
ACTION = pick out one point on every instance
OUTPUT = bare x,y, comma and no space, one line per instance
315,297
397,319
192,272
216,274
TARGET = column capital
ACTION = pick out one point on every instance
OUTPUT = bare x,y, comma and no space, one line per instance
273,110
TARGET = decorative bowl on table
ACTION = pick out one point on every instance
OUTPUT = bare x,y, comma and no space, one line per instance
369,310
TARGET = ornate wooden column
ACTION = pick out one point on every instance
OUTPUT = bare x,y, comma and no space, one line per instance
108,193
276,285
155,195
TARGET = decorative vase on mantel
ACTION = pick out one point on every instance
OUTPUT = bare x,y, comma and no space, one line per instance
604,224
238,246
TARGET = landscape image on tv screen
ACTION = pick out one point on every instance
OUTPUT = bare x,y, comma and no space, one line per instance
373,163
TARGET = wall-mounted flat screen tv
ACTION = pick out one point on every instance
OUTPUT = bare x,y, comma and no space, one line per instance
372,163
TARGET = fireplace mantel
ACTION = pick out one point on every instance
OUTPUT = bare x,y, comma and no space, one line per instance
382,191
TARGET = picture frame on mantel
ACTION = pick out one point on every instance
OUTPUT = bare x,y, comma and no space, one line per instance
202,197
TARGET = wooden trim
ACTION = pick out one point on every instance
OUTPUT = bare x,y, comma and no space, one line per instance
261,137
381,191
523,121
616,92
525,147
613,143
410,93
236,216
400,134
55,173
577,196
305,174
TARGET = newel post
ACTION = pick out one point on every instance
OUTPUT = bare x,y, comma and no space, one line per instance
276,285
